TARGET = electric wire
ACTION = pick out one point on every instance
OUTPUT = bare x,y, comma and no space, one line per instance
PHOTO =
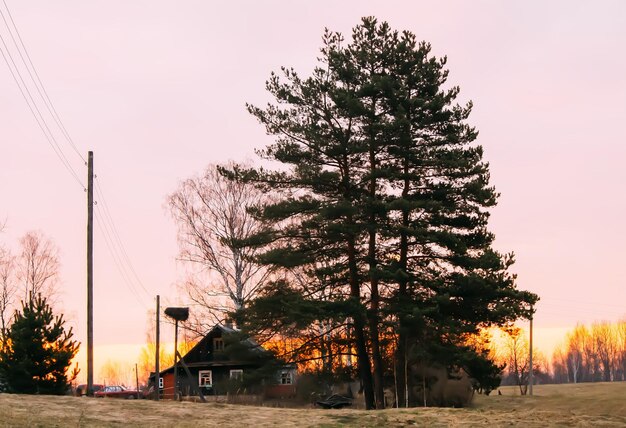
115,234
33,108
38,83
579,307
116,260
109,231
581,303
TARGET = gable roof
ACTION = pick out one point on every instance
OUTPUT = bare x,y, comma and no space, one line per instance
202,352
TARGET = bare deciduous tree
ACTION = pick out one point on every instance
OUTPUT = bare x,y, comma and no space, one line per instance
114,372
8,287
515,353
37,266
212,216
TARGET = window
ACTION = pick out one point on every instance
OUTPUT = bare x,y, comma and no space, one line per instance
205,378
160,383
218,344
285,377
236,374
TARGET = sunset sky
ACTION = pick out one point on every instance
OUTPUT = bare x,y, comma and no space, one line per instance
157,90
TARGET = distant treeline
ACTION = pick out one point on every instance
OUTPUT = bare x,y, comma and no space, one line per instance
595,353
592,354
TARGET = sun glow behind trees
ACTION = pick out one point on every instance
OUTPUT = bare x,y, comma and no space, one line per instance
382,203
514,116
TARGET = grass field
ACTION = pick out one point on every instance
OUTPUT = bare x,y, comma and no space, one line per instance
601,404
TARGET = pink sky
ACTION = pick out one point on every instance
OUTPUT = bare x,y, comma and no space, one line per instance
157,90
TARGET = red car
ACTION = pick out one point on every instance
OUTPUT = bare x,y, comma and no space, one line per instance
116,391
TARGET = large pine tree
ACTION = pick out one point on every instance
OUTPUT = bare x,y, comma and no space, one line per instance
38,351
385,199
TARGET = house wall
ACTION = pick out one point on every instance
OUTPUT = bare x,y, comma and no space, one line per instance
168,386
220,378
280,391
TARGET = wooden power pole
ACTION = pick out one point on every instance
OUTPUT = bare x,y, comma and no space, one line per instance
157,370
530,370
90,274
137,379
176,360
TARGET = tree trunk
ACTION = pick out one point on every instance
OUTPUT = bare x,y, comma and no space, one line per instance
379,391
401,369
373,314
363,360
401,349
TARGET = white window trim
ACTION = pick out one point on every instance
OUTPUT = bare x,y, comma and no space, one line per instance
289,373
233,371
200,373
160,383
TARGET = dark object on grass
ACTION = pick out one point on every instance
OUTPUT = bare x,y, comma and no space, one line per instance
335,401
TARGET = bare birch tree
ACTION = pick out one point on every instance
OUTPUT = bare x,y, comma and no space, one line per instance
37,266
516,356
8,288
212,215
605,338
574,357
621,338
34,270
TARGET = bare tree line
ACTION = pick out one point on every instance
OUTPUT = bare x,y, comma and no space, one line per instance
595,353
592,354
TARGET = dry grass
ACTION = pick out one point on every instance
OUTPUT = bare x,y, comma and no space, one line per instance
600,404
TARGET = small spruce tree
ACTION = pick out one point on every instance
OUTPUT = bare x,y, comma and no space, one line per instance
37,353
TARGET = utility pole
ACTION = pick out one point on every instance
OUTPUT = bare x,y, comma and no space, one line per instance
176,360
177,314
137,379
157,370
530,371
90,274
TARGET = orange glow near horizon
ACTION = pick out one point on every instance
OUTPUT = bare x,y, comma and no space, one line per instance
123,357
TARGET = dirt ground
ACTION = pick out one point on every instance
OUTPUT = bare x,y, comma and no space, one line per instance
601,404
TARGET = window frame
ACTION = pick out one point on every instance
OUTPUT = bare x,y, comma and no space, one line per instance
219,348
160,382
288,377
238,371
202,372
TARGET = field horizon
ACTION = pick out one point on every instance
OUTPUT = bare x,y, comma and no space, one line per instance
590,404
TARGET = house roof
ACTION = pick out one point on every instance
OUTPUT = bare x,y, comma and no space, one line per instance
218,330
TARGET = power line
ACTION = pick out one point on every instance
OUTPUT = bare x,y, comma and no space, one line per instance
109,230
116,235
585,304
115,256
44,96
33,108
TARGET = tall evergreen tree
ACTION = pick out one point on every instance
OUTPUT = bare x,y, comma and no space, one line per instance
38,352
385,198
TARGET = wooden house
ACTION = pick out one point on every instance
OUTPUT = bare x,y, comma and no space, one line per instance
217,363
